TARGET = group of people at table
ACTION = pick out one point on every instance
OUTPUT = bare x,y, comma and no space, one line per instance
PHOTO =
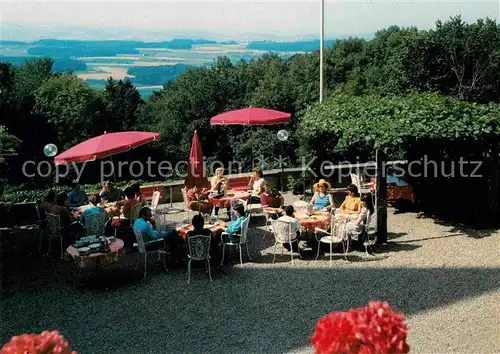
73,208
203,200
354,208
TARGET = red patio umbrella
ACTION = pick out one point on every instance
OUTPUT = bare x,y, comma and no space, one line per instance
105,145
251,116
196,172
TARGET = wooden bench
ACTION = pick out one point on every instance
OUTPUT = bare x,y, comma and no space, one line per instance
239,183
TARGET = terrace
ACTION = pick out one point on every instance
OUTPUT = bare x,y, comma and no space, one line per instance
438,275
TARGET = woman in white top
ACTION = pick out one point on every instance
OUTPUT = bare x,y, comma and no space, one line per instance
219,182
255,184
290,218
357,221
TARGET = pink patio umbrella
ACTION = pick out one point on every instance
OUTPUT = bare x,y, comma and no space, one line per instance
105,145
196,172
251,116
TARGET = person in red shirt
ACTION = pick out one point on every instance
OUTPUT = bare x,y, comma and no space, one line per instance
198,201
128,203
271,201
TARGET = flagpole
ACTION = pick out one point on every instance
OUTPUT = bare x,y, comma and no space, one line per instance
321,45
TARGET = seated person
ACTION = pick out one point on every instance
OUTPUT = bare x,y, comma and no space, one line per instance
145,225
254,186
355,226
197,201
136,187
198,223
218,184
49,202
109,193
94,209
234,227
290,218
77,197
218,188
351,204
70,228
322,200
61,209
128,203
271,200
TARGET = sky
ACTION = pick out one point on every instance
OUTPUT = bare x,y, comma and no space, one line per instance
235,19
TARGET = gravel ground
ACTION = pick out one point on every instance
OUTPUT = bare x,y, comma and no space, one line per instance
445,279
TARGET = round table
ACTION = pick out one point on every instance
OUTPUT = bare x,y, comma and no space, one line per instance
116,250
227,198
216,229
318,219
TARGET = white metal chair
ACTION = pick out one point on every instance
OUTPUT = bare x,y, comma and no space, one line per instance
363,232
162,223
243,240
336,235
95,224
55,230
283,233
141,245
134,213
155,201
199,250
254,209
268,225
363,188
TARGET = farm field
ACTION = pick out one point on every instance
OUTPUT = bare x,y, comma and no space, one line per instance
139,66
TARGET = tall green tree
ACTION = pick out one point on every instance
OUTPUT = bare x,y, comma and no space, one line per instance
74,110
123,102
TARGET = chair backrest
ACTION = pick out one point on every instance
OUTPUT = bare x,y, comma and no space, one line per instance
355,180
235,202
139,238
134,213
282,231
244,230
199,247
95,224
162,222
339,228
155,200
23,214
54,222
367,221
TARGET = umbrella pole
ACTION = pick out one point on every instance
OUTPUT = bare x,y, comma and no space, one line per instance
114,174
251,145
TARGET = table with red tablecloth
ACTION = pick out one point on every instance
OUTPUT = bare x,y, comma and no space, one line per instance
90,260
310,222
226,200
216,230
396,189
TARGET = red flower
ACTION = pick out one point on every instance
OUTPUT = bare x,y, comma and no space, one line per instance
374,329
43,343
